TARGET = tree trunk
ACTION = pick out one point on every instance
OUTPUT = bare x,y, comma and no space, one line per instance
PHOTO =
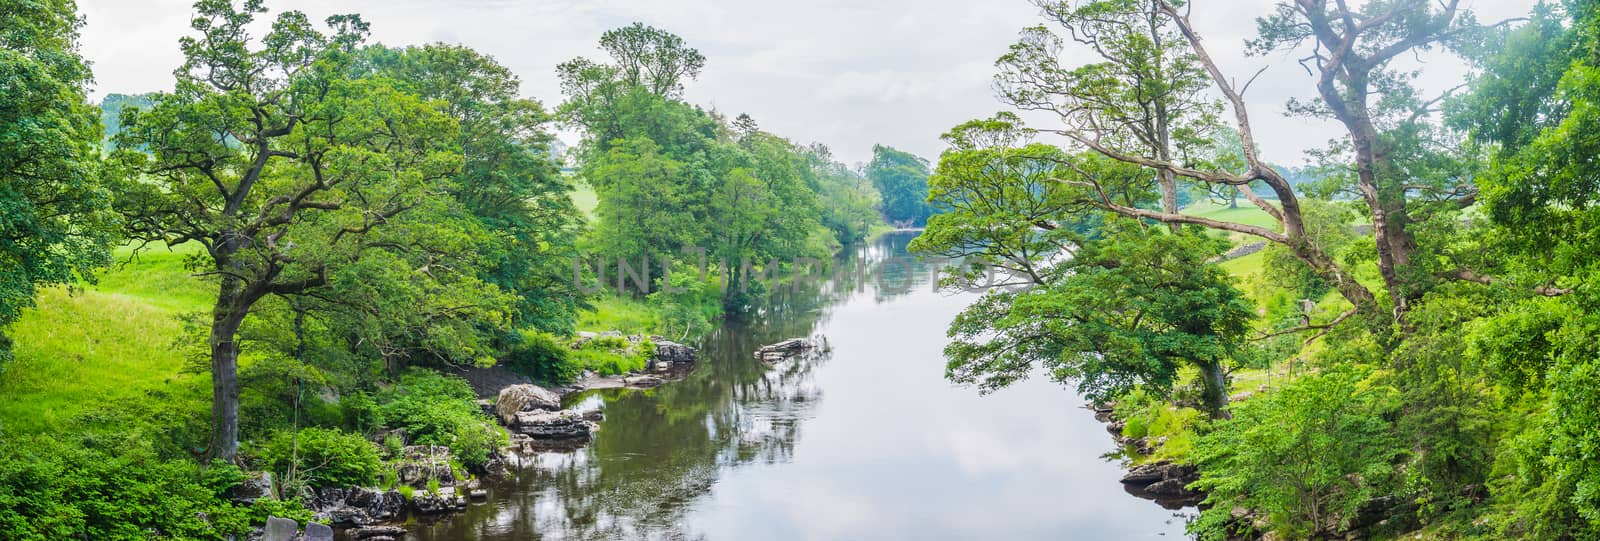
1213,388
226,317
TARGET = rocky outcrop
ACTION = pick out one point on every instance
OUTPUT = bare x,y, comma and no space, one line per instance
1165,482
785,349
377,533
525,398
256,487
673,352
355,506
420,464
446,499
565,424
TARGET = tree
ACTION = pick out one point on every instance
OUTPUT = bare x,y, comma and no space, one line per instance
902,180
1351,51
507,180
55,219
285,165
1144,96
1118,306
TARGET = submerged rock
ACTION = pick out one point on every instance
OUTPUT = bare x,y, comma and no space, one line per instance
785,349
1165,482
642,381
377,533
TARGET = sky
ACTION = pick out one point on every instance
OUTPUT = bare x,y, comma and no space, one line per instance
846,73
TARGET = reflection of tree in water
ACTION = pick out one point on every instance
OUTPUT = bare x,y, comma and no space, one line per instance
658,451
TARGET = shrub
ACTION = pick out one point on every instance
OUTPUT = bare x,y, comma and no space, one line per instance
541,357
323,457
437,409
613,355
57,487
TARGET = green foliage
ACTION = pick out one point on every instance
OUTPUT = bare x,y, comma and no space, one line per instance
541,357
613,355
441,410
55,219
1148,416
322,457
56,487
902,180
1307,456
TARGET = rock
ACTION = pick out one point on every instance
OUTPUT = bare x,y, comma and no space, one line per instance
552,425
355,505
662,366
377,533
256,487
488,407
445,500
673,352
642,381
611,334
525,398
784,349
318,532
281,529
588,335
479,494
422,463
1145,474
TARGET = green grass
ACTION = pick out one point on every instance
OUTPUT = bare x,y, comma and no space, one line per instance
99,344
616,313
584,197
1247,213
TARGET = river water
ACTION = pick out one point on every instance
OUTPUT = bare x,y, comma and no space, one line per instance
863,441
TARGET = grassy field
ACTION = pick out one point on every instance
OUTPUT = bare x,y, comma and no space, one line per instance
584,198
100,343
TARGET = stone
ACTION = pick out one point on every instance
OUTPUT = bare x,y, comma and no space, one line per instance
642,381
784,349
662,366
611,334
525,398
377,533
1145,474
281,529
673,352
588,334
552,424
318,532
256,487
447,499
422,463
355,505
479,494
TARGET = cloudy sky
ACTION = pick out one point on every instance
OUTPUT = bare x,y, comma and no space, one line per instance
847,73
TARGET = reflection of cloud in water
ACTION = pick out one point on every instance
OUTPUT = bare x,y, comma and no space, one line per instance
743,449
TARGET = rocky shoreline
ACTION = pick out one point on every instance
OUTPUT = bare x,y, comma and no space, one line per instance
428,484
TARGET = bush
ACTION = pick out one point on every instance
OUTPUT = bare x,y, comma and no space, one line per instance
441,410
541,357
613,355
325,457
57,487
1307,456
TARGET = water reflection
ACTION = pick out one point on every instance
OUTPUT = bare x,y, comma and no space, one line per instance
861,441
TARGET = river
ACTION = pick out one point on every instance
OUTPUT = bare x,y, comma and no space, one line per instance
865,440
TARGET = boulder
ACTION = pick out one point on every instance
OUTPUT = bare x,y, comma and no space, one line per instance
430,502
422,463
1145,474
784,349
564,424
478,494
281,529
642,381
377,533
256,487
355,505
525,398
673,352
318,532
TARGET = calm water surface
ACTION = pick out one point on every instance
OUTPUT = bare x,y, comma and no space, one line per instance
864,441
